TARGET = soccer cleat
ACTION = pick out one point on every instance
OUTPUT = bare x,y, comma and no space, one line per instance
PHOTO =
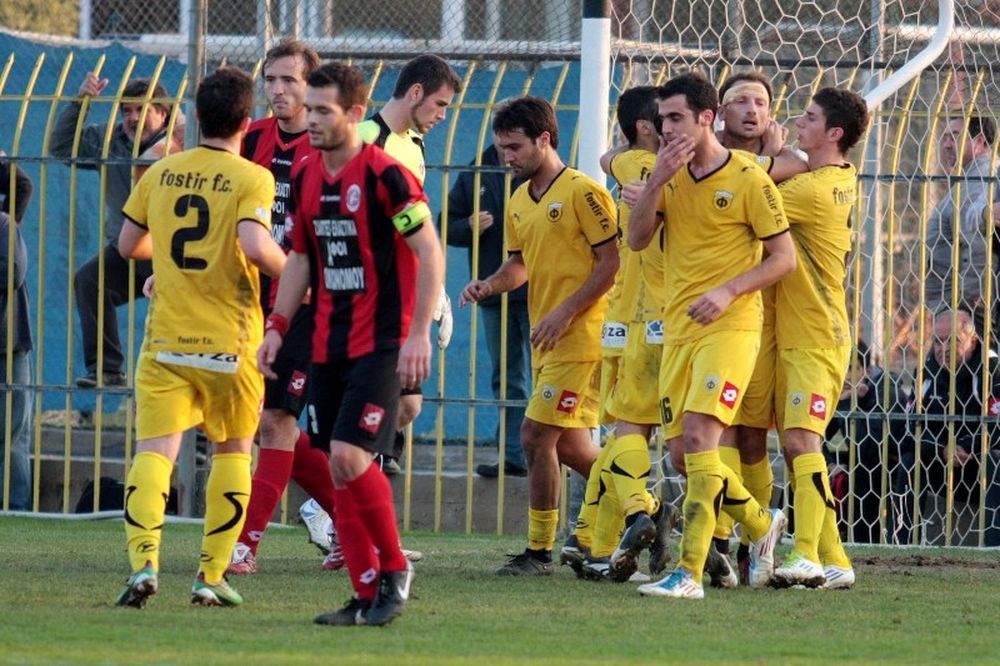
838,578
390,599
140,586
525,564
413,555
638,536
243,561
574,554
353,613
220,594
720,570
666,519
680,584
599,569
334,560
762,551
798,570
318,524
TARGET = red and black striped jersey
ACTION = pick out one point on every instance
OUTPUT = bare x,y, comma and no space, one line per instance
277,151
362,272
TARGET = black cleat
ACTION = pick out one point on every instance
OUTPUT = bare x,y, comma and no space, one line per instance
720,570
636,538
666,519
525,564
743,563
353,613
390,599
574,554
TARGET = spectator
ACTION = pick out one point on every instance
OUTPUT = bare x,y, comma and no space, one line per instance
489,226
971,179
865,427
20,345
86,282
969,399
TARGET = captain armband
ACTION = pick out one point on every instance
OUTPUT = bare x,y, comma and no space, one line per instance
411,218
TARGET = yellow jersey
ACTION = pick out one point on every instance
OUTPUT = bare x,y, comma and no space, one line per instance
811,302
207,296
641,273
713,228
407,148
555,235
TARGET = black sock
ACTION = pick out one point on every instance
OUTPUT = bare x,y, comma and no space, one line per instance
721,545
542,555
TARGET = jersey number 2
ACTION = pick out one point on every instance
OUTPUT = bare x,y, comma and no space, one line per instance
186,235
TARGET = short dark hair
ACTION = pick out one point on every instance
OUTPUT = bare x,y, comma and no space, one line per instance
748,75
351,86
637,104
430,71
531,115
699,93
224,100
980,126
844,109
291,47
140,88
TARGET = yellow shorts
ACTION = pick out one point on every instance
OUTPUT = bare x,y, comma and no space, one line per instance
708,376
757,410
610,365
808,386
565,395
174,398
632,400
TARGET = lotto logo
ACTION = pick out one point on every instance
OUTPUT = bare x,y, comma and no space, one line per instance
994,406
371,418
817,406
729,395
368,576
567,402
298,383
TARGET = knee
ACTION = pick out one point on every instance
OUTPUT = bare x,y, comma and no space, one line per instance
677,456
278,430
409,409
531,438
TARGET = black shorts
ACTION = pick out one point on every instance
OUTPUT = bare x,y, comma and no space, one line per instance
289,390
355,401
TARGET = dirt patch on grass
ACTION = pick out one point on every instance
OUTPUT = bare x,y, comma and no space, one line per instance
897,561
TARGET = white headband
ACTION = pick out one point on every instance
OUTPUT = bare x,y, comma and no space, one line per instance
745,87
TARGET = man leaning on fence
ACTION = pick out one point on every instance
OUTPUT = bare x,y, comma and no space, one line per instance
87,281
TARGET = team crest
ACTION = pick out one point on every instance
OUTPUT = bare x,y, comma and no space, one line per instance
797,399
711,383
555,211
353,198
723,199
548,392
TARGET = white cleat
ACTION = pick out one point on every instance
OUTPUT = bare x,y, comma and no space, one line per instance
798,571
679,584
318,523
762,551
838,578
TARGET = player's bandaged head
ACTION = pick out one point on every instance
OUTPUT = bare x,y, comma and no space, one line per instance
411,218
746,83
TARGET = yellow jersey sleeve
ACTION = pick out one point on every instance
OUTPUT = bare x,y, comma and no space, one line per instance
766,212
137,205
255,201
595,211
628,296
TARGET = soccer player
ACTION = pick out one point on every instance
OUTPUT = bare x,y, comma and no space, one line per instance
813,332
364,244
719,211
203,216
421,96
560,228
277,143
617,482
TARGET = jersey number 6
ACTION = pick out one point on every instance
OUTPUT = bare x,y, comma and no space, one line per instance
188,234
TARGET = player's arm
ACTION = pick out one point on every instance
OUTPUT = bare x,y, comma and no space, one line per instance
291,291
260,248
643,221
134,241
608,157
546,333
415,354
509,276
786,164
778,262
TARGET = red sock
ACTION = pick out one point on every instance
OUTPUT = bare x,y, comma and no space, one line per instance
269,481
373,496
359,554
311,470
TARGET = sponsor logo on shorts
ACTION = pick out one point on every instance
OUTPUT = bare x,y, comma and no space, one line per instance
567,402
548,392
994,406
654,332
711,383
729,395
371,418
353,198
817,406
297,384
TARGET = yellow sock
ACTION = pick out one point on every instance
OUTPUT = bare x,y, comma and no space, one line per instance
741,505
542,524
831,548
629,470
730,457
812,499
610,520
758,479
588,517
705,481
146,492
227,494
